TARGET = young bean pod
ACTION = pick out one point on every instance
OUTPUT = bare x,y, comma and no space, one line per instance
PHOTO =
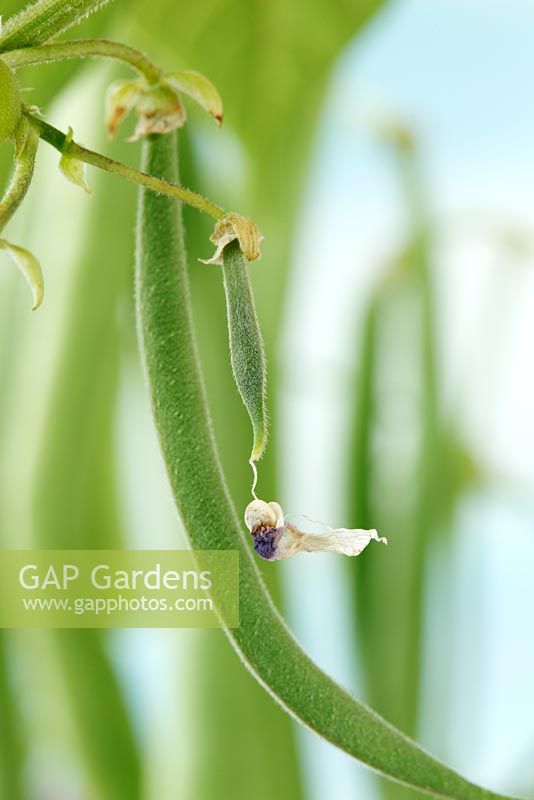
246,345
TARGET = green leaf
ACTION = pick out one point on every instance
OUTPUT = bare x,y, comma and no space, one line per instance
30,268
74,493
11,767
274,69
390,628
73,169
267,648
390,595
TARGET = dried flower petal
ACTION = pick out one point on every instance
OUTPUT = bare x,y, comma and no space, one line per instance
231,227
121,97
159,110
349,542
158,105
30,268
260,514
72,168
275,538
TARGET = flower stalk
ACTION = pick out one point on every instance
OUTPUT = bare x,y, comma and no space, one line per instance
61,142
84,48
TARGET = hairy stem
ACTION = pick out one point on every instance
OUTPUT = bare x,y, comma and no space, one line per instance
179,404
26,142
84,48
58,139
43,20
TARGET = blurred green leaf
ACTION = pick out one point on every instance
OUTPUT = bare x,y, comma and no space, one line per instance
257,735
75,483
11,747
389,594
390,628
74,492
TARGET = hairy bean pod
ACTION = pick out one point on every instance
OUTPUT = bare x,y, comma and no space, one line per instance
246,344
182,419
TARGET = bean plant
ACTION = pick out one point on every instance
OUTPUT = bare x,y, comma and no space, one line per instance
166,332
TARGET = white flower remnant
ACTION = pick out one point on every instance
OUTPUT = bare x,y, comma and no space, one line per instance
275,538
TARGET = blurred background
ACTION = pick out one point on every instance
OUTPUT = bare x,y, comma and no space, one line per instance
386,151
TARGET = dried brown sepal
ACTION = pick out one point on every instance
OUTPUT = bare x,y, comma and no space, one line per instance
231,227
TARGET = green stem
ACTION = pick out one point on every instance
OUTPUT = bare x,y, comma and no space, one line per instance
44,20
263,641
84,48
58,140
26,142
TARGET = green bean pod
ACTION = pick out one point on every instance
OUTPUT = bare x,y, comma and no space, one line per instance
183,423
246,344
